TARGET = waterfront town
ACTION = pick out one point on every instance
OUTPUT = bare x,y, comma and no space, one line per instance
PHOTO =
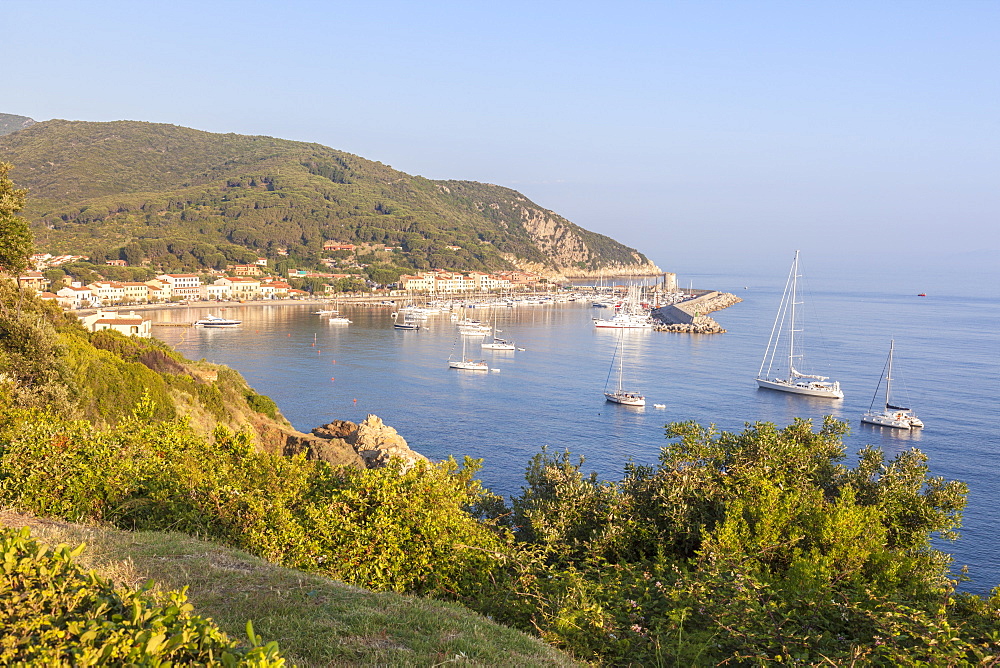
250,282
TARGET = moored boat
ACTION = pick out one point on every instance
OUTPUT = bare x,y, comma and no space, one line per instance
215,321
794,382
891,415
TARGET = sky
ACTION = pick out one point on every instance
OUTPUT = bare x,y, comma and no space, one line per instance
712,135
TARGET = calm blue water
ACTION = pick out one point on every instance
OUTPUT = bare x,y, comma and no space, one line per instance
947,366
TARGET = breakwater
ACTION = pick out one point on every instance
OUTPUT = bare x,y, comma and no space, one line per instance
690,316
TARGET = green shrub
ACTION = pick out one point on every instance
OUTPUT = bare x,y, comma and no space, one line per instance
385,529
262,404
54,613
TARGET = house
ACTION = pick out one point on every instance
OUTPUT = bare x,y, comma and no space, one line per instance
337,246
117,263
220,291
296,294
159,292
34,280
129,325
136,293
77,297
185,286
109,292
279,289
261,262
246,269
241,287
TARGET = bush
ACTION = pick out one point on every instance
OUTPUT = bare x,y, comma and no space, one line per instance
262,404
54,613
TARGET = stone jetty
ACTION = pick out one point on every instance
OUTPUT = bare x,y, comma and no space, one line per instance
690,317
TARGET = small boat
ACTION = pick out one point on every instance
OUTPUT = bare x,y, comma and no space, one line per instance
405,324
794,382
215,321
467,364
922,294
619,395
498,344
659,405
325,312
340,320
898,417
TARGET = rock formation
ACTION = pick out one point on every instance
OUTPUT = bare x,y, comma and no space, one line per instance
371,444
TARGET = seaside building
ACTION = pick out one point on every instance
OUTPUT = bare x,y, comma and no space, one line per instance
108,292
129,325
77,297
136,293
185,286
241,287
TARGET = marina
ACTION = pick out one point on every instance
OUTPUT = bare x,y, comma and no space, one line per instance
550,394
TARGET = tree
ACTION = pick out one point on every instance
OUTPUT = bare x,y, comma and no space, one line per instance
15,235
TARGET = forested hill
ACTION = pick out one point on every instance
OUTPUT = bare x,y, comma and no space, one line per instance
96,187
12,123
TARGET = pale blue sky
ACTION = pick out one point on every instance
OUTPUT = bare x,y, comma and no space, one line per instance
707,134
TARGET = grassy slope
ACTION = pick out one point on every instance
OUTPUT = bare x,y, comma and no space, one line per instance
95,186
316,621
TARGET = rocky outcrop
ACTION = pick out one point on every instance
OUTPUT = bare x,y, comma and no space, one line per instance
377,443
371,444
335,451
568,251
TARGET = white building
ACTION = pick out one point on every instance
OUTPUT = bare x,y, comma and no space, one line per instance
129,325
185,286
77,297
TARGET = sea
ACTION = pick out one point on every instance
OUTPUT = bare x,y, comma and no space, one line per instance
549,392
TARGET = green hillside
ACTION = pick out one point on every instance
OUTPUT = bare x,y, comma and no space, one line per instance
12,123
97,187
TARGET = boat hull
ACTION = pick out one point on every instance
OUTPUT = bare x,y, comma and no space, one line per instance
824,390
469,366
883,420
625,398
622,324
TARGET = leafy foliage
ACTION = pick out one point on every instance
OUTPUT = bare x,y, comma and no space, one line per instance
15,236
56,614
747,548
385,528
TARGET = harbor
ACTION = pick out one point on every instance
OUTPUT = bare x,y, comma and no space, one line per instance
551,393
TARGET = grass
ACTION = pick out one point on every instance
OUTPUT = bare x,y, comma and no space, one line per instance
316,621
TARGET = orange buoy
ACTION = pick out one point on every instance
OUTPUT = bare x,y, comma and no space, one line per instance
333,379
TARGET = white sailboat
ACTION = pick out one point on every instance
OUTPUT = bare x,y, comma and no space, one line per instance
890,415
466,364
495,342
619,395
795,382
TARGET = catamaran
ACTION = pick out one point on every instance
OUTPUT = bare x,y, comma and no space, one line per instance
619,395
890,415
795,382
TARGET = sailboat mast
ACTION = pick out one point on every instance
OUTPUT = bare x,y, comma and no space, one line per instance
888,375
791,324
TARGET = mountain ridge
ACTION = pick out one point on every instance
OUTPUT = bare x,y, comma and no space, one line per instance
95,187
